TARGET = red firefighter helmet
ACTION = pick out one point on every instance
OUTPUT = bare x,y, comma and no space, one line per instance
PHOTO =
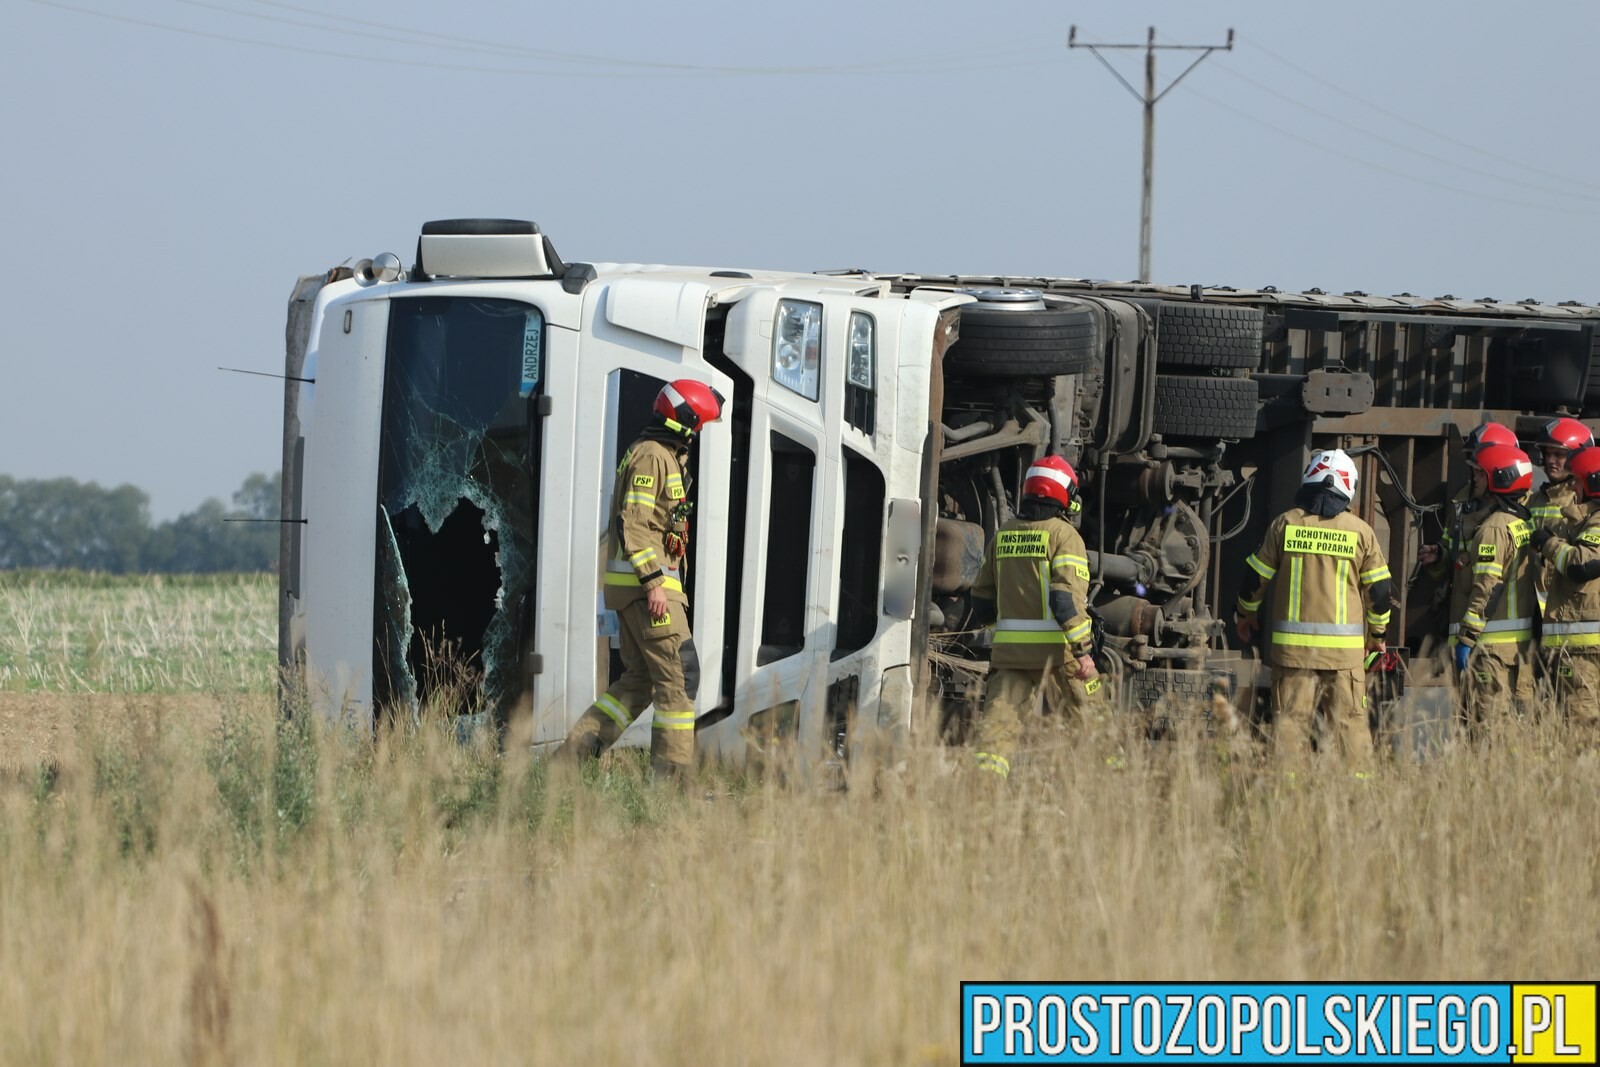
1585,468
1490,433
688,405
1508,469
1569,434
1053,479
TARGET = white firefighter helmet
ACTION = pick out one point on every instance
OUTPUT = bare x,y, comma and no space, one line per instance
1334,469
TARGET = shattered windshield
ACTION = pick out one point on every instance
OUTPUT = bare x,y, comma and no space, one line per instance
458,480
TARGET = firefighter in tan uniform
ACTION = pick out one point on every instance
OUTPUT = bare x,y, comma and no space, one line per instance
1448,562
1331,596
1558,500
1556,504
1570,639
644,585
1035,583
1494,634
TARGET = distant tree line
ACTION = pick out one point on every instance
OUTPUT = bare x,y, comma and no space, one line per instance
61,523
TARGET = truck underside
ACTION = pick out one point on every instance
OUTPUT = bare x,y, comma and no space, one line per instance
1189,415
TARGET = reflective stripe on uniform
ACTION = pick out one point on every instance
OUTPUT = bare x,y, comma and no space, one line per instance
1028,632
643,500
613,708
1378,619
1505,631
1551,628
1327,628
1376,574
1296,573
620,572
1249,607
1319,634
1081,632
1079,565
1570,641
1341,577
1494,570
1570,635
1317,640
1255,564
674,720
990,762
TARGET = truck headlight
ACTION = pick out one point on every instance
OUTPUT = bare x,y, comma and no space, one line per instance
863,356
797,347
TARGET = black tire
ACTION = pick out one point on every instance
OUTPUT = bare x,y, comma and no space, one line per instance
1208,335
996,343
1206,407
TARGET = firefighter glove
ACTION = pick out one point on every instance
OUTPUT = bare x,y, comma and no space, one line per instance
1540,536
1462,652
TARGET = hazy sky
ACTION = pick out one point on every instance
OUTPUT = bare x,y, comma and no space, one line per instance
173,165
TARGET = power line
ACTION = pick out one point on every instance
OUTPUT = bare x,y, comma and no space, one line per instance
629,68
1457,141
1149,98
1385,168
964,56
1370,164
1401,145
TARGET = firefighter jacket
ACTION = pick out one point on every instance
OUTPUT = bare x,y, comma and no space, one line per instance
1330,589
1500,603
648,504
1554,507
1037,573
1572,614
1555,504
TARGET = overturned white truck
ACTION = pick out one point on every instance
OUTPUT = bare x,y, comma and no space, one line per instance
450,432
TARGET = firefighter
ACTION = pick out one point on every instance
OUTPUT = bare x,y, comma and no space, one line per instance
1558,499
649,538
1494,634
1035,578
1446,562
1331,597
1570,639
1556,504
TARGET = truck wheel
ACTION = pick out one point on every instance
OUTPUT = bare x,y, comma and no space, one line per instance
1207,335
1206,407
997,343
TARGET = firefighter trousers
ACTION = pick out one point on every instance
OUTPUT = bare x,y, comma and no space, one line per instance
1012,695
659,665
1325,708
1577,682
1497,683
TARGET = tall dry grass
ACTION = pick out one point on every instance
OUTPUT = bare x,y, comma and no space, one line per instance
265,892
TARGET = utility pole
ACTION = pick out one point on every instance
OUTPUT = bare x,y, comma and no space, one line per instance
1149,98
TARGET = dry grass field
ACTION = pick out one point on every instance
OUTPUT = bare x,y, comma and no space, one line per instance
183,878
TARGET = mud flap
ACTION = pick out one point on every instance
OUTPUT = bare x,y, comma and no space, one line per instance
1410,705
1179,701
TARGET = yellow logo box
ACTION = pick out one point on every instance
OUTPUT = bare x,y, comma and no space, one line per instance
1554,1024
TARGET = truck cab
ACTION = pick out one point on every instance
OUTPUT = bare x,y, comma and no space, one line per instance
450,453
